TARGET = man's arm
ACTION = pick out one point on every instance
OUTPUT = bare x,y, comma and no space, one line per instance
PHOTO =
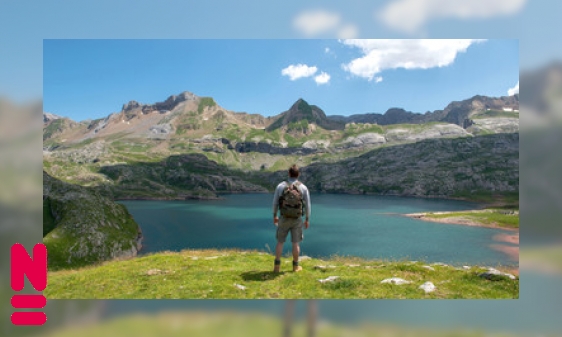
275,205
306,199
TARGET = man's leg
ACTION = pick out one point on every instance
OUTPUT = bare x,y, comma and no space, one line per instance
296,238
278,252
296,253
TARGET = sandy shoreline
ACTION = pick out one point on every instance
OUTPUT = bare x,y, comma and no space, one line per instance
510,238
456,220
511,251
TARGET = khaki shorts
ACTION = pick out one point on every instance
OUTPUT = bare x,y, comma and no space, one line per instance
287,225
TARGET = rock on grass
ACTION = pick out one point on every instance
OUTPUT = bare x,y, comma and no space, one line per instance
396,281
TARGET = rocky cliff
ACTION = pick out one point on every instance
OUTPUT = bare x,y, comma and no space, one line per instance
81,226
134,108
457,167
190,176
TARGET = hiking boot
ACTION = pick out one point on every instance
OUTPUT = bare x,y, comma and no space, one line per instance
296,267
277,264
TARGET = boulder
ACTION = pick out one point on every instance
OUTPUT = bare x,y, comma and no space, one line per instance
371,138
496,275
427,287
239,286
364,139
396,281
160,129
329,279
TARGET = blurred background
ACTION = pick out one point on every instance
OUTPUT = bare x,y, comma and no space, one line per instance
24,25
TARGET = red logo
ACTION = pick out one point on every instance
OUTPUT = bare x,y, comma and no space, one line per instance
36,271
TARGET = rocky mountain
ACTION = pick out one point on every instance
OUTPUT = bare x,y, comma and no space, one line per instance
177,116
190,117
134,108
82,226
300,112
49,117
453,167
191,176
391,116
471,167
54,125
456,112
190,147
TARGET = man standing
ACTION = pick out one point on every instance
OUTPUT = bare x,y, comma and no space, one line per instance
290,198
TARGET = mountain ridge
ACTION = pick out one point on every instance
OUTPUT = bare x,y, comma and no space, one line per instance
455,112
394,115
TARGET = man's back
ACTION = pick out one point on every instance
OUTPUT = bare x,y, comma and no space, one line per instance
303,190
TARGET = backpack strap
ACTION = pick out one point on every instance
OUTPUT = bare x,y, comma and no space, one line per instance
297,184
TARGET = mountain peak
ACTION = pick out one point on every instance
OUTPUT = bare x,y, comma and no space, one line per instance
48,117
168,104
301,110
134,108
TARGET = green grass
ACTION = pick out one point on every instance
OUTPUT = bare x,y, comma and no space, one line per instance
294,141
505,199
414,127
274,136
357,129
205,102
300,126
495,114
135,147
493,217
56,126
200,274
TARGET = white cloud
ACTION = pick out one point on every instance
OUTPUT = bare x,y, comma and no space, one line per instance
514,90
410,15
378,79
347,32
298,71
316,22
327,50
323,78
379,55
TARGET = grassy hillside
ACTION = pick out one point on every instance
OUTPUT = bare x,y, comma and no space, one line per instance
82,226
219,273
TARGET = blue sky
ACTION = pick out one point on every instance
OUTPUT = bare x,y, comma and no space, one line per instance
26,23
86,79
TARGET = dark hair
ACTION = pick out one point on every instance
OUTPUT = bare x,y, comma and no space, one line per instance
294,171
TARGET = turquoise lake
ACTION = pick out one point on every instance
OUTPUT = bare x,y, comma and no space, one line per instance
345,225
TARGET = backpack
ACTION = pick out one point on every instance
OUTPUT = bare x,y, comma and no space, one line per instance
291,201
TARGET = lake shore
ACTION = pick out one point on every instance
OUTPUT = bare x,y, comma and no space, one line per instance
508,243
510,249
456,220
